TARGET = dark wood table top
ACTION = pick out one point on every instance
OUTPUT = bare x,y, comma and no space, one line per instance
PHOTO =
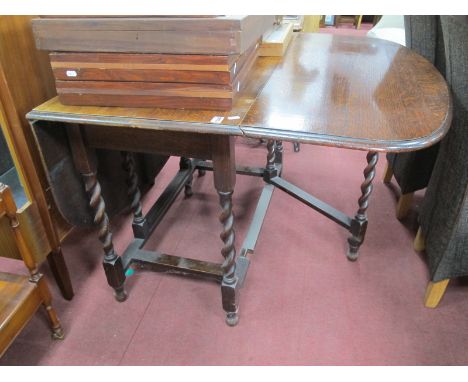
359,93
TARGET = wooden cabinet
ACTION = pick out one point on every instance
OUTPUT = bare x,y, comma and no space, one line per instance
26,81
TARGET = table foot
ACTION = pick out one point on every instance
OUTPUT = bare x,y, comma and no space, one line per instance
232,319
352,254
120,294
230,296
57,334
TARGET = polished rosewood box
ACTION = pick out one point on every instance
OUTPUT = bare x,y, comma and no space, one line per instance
169,62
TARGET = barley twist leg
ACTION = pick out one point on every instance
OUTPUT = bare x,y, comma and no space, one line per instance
359,223
229,253
112,263
133,191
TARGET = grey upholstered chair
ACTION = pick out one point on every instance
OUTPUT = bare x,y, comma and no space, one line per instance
413,170
443,219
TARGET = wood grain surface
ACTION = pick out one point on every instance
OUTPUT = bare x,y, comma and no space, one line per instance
152,23
160,94
360,93
19,301
354,92
217,35
201,69
200,62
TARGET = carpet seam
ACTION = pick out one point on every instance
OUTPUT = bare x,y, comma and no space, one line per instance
139,322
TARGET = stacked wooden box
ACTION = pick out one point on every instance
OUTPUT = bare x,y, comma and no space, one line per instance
169,62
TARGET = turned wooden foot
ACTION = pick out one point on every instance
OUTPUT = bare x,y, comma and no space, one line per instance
232,319
56,327
404,205
57,331
388,174
434,293
419,242
120,294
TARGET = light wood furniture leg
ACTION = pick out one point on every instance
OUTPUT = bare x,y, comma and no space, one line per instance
434,293
388,175
404,205
8,205
311,23
358,21
418,244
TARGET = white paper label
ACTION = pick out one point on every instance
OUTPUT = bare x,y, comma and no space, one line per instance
217,119
71,73
233,117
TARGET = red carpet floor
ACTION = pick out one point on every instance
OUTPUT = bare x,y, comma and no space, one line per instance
303,302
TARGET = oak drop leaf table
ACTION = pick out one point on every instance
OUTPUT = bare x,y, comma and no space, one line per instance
357,93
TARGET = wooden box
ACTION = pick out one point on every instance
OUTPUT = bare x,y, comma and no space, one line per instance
168,62
218,35
109,79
